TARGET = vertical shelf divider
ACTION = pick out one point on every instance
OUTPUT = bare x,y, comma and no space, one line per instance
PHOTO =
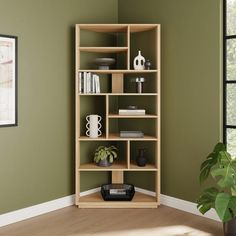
107,119
158,66
128,154
77,116
128,45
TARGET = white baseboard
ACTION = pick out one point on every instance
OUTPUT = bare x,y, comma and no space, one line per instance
29,212
187,206
36,210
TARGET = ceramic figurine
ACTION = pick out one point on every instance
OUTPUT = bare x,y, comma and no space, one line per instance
139,62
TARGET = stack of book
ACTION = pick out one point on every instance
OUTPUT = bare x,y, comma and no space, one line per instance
132,112
89,83
131,134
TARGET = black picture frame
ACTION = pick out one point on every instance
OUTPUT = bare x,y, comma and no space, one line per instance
8,80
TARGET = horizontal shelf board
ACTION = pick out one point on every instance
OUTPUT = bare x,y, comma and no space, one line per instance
147,167
132,116
101,138
117,137
122,166
139,200
119,71
94,167
103,49
109,28
118,94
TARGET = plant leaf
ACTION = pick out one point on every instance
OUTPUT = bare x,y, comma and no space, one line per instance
207,200
225,206
225,170
219,147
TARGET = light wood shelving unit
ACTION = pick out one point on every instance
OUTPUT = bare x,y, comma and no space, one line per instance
117,91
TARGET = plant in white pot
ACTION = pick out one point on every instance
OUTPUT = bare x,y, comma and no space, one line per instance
104,156
222,167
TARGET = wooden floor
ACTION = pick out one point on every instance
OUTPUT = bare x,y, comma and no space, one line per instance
72,221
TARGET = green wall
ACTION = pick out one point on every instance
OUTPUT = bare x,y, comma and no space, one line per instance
37,156
191,84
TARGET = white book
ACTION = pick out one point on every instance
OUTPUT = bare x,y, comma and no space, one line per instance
97,84
85,81
93,84
80,82
88,82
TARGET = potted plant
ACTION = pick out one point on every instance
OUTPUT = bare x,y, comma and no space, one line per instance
104,156
222,167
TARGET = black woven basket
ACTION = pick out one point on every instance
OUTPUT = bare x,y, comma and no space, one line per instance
117,192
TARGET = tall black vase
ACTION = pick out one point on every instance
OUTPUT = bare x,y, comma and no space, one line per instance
141,159
230,228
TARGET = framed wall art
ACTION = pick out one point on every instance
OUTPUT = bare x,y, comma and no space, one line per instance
8,80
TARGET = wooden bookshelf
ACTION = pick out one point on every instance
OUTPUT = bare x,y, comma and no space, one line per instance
106,104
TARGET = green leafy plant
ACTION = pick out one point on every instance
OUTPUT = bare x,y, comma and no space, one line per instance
222,167
102,153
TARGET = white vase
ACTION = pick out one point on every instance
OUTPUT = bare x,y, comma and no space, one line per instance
139,62
93,126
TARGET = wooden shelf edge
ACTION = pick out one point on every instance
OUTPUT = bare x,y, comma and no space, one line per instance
117,94
103,49
118,71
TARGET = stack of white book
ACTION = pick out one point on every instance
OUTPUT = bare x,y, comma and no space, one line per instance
89,83
132,112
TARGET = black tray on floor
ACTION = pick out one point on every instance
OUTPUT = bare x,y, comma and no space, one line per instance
117,192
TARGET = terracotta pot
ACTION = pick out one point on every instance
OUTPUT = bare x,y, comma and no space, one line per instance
230,228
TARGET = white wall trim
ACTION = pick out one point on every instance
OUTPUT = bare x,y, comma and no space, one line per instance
36,210
187,206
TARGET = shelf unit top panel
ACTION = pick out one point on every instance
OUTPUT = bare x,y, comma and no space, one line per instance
112,28
109,28
119,71
118,94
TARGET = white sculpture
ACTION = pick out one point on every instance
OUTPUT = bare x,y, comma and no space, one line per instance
93,126
139,62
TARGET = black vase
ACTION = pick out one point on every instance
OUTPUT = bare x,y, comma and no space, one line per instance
141,159
230,228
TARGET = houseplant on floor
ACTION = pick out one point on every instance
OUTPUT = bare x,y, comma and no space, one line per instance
222,167
104,156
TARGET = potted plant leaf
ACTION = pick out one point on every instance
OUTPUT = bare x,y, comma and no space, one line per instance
222,167
104,156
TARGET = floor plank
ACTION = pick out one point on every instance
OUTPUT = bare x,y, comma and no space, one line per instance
71,221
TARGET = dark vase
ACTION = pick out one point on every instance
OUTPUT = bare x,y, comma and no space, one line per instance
104,163
147,65
230,228
141,159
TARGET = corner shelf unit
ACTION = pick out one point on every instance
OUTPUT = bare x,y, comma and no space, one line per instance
121,41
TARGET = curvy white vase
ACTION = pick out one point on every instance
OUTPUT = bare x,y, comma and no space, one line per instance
139,62
93,126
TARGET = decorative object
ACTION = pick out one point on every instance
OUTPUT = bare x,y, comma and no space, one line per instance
93,126
141,159
147,64
8,80
139,62
104,156
139,85
132,107
222,167
104,63
117,192
131,134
